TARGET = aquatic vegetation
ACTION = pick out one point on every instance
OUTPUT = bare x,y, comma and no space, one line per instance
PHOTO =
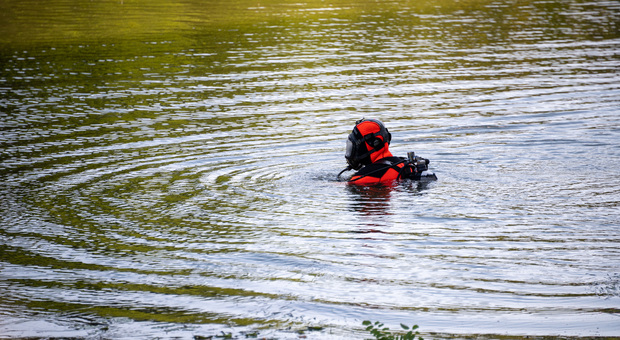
384,333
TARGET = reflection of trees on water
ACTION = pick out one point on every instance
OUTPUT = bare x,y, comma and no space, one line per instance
243,25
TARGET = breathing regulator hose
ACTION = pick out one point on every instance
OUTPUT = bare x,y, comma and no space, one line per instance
346,169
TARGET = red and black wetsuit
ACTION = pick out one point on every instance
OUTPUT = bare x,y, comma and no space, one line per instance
386,170
368,149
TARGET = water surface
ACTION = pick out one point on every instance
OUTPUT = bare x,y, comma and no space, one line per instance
169,170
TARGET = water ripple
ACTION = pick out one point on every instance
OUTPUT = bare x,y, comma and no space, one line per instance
191,180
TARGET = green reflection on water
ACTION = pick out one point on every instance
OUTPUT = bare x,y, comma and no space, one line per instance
35,22
136,55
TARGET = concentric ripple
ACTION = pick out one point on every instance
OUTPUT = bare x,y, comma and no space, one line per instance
181,181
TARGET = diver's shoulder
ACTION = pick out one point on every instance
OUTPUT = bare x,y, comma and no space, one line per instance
380,164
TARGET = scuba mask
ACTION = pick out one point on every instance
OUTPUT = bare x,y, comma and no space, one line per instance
361,146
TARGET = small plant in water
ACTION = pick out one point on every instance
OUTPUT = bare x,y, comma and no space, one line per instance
384,333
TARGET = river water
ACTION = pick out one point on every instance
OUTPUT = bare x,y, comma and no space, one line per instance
169,169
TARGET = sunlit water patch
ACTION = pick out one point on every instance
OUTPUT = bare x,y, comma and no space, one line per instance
181,181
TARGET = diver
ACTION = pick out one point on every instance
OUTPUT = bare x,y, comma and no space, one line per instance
367,151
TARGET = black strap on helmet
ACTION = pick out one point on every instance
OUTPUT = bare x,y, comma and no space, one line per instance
383,131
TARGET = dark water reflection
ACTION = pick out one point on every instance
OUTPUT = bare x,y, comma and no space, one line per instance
169,169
